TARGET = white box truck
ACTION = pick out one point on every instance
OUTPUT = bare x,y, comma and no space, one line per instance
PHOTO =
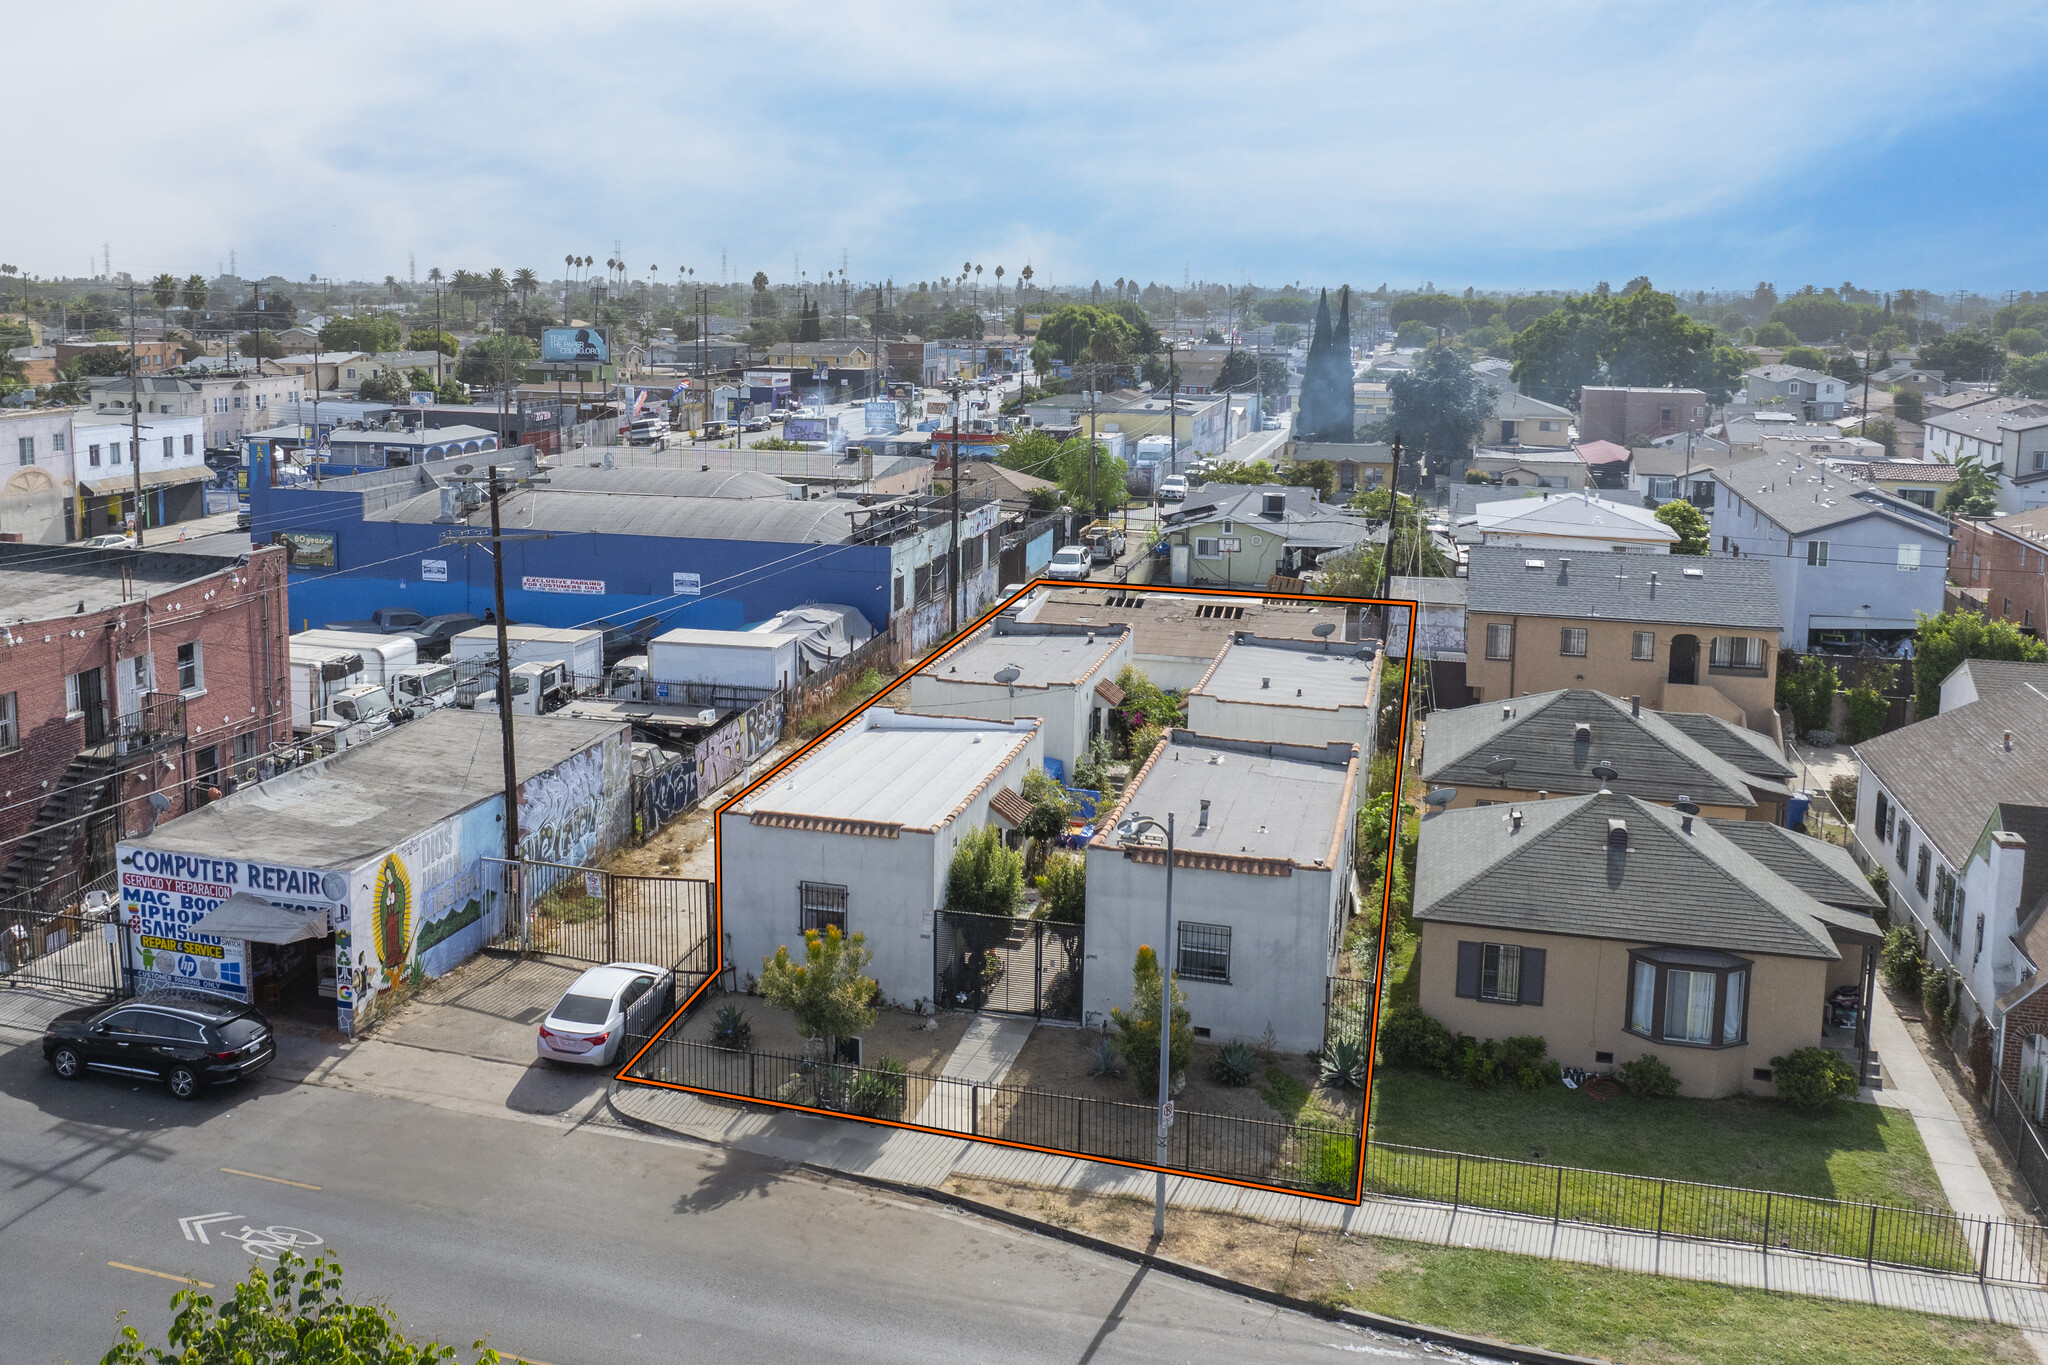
383,655
726,658
318,676
581,652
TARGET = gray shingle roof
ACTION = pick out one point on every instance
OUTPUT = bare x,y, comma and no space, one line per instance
1557,875
1802,500
1950,770
1725,592
1778,374
1822,870
1745,748
1994,676
1656,760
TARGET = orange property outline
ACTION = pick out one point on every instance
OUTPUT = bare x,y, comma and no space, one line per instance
1386,902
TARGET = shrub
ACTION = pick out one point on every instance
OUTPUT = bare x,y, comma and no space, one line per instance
1526,1062
878,1091
825,993
1477,1064
1868,712
1812,1078
1409,1038
986,876
1327,1163
1235,1065
1105,1058
1880,881
1820,739
1940,999
1980,1056
1902,963
1842,791
1344,1064
1138,1028
1647,1078
1064,888
731,1029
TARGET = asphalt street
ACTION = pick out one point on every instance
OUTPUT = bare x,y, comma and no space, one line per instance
567,1245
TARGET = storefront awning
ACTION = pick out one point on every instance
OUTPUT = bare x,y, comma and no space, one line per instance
155,478
256,920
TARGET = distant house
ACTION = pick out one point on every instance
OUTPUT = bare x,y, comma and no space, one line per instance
1240,535
1440,618
1521,420
2003,563
1920,482
1664,474
1615,413
2013,441
1975,679
1826,443
1260,898
1575,740
1532,466
1357,464
1852,564
1813,395
1615,928
1065,675
1608,465
1685,633
859,835
1743,434
1566,521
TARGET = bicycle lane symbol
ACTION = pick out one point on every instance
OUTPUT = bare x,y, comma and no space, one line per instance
266,1243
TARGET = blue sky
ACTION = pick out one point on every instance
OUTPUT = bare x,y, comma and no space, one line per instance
1534,145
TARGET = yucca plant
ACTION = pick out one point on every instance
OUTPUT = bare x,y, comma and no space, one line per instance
1105,1058
1235,1064
731,1029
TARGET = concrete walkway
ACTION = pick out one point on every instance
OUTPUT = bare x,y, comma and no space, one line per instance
1910,1085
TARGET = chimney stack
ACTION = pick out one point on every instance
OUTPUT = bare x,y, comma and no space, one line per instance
1203,824
1635,705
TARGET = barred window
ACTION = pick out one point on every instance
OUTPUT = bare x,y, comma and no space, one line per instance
822,906
1572,642
1204,952
1643,648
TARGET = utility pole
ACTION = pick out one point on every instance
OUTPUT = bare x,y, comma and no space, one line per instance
504,682
135,416
953,568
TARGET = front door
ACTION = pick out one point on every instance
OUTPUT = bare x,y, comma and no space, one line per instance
1685,660
92,700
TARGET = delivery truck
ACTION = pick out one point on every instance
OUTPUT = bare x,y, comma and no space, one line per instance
722,658
383,655
581,652
319,674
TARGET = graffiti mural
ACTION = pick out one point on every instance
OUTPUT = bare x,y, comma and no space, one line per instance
738,741
672,790
392,911
579,809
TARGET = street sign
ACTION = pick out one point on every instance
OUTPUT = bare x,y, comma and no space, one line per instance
466,533
1166,1116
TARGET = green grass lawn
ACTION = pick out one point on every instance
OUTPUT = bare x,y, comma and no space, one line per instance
1648,1319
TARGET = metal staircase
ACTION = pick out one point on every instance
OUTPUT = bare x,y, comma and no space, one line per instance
50,844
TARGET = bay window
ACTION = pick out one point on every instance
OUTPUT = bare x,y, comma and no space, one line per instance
1688,996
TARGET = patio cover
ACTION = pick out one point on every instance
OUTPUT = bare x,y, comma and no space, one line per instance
256,920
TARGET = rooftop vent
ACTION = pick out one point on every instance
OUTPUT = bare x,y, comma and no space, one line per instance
1507,713
1515,818
1617,832
1203,823
1564,571
1582,733
1635,705
1532,563
1695,573
1274,504
1265,682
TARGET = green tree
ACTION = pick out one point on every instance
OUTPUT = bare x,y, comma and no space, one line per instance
1943,642
293,1315
1975,491
1032,452
1969,354
1817,317
163,291
1080,333
1806,358
1640,340
1240,369
1909,406
1107,473
1694,535
388,387
1273,380
1063,889
2025,341
1440,407
101,361
1320,475
1138,1028
1775,334
489,359
986,876
369,334
196,293
963,324
826,994
428,339
260,345
2024,377
1284,308
1051,807
1885,432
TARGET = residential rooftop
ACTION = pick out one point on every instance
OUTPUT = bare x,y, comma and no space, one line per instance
892,769
1807,496
1182,625
1952,769
1991,677
1561,512
1044,655
45,583
1312,676
1612,585
347,808
1822,870
1271,807
1745,748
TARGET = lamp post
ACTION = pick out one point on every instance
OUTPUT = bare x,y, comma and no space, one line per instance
1127,828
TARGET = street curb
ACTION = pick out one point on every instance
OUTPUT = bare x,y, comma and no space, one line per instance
1394,1327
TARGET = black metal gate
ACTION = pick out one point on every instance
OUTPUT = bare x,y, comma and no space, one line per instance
65,935
592,915
1009,965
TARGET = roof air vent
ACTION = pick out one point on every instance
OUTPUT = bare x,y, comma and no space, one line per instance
1515,818
1617,832
1265,682
1582,733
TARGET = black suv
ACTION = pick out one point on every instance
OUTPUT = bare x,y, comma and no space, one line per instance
187,1039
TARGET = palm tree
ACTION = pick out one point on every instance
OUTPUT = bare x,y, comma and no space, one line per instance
498,283
1025,275
196,294
391,285
999,289
164,290
525,283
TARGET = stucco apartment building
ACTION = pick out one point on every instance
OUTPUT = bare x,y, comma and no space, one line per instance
1065,676
2002,562
1683,632
36,474
1614,413
229,406
1175,636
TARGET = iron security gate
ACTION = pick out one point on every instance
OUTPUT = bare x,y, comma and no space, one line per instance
66,936
592,915
1009,965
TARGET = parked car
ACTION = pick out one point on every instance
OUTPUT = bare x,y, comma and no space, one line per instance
111,542
186,1039
383,621
758,422
1069,561
436,634
1173,489
621,641
589,1024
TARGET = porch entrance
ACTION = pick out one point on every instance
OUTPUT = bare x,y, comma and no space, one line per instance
1008,965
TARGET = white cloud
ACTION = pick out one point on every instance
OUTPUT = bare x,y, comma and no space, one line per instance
1090,139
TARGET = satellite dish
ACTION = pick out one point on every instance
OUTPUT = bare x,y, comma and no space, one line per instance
1687,806
1325,630
1009,675
159,802
1606,771
1501,767
1441,797
464,468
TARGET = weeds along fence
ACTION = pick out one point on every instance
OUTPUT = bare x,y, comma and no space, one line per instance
1308,1157
1876,1234
814,697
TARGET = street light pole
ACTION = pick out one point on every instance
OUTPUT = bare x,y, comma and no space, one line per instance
1127,829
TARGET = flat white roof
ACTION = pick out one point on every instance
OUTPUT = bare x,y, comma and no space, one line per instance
1056,660
916,771
729,639
546,634
1274,675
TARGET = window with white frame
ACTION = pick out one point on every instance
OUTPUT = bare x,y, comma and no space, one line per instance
1817,553
10,722
73,700
93,456
1745,652
1208,547
57,441
1909,558
25,449
170,447
1643,646
1500,641
1571,642
191,667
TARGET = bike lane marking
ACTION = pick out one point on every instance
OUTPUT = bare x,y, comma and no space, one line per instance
267,1243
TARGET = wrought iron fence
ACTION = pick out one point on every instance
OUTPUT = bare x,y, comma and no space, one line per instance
1772,1220
1008,964
2022,1139
1302,1156
592,915
65,935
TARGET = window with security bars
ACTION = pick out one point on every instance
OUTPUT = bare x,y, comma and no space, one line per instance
1204,953
822,906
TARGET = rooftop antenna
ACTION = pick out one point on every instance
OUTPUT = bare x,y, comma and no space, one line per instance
1008,676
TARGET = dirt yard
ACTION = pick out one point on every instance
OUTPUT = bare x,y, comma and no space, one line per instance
920,1044
1061,1060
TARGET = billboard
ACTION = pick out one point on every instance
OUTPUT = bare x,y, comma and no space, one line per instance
881,415
805,429
574,346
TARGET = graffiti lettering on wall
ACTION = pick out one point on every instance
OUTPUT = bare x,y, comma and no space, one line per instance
932,622
738,741
672,790
576,810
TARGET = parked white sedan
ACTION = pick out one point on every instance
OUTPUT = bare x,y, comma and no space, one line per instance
588,1026
1070,561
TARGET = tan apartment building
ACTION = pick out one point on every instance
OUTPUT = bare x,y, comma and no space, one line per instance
1613,413
1683,632
2001,564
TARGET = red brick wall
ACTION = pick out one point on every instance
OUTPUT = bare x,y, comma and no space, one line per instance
238,615
2028,1017
1615,415
2012,574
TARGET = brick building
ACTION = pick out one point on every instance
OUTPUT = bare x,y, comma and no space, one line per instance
1615,414
125,675
2002,564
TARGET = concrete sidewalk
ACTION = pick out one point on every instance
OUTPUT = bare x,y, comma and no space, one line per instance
927,1160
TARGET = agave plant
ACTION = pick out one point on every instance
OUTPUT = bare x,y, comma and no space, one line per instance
1235,1064
731,1029
1344,1064
1105,1058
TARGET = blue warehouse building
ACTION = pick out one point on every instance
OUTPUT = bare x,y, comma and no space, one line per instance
711,549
